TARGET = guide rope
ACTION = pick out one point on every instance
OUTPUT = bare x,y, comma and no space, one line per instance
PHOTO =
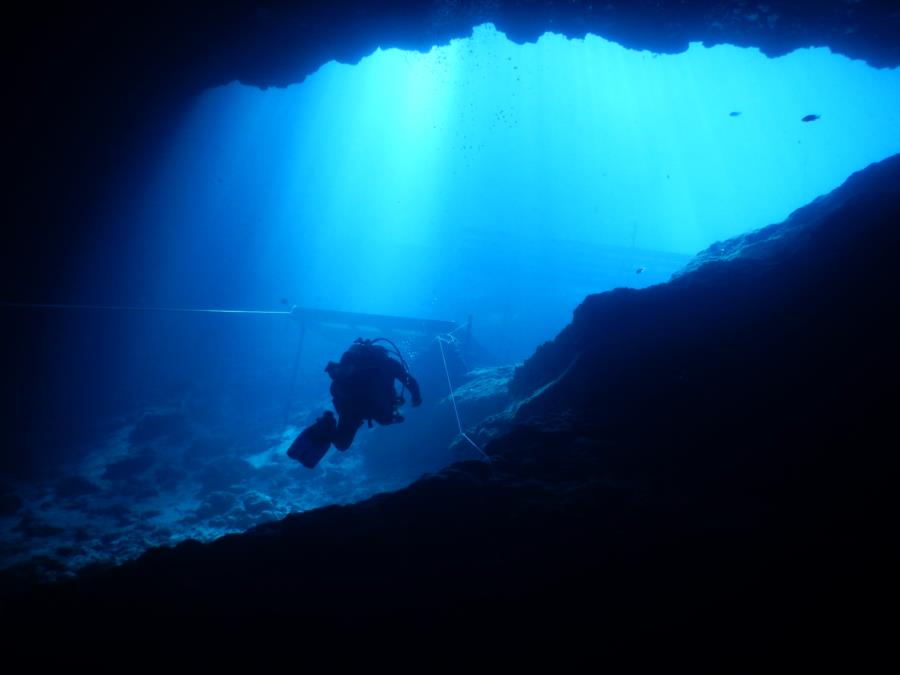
440,341
190,310
129,308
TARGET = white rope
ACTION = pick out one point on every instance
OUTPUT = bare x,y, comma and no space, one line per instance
453,400
126,308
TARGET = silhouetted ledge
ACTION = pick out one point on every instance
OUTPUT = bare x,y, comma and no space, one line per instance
711,459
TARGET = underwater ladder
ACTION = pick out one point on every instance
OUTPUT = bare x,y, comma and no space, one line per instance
442,330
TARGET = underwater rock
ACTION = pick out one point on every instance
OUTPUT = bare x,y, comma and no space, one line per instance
29,573
485,393
215,504
480,402
753,289
255,503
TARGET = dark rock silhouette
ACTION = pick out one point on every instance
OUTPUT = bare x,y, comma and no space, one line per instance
707,459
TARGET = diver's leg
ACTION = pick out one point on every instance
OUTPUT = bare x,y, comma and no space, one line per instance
384,418
386,413
346,431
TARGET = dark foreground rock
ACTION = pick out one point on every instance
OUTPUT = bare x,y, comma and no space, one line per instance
708,462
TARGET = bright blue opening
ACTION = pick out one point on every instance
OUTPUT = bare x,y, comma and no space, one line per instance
501,180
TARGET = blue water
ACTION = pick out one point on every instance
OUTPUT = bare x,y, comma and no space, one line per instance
482,178
495,179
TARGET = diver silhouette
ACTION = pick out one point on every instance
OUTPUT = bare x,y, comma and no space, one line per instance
362,390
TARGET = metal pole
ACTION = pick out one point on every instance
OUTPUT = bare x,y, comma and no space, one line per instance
290,392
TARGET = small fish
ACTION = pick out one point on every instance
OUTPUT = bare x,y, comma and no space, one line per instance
810,118
734,113
639,270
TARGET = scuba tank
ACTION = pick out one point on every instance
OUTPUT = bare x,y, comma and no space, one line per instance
395,350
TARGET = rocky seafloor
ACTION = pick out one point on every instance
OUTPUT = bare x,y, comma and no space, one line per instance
210,460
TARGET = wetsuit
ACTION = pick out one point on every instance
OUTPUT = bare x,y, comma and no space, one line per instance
362,389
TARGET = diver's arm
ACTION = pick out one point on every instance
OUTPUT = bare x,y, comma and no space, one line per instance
409,382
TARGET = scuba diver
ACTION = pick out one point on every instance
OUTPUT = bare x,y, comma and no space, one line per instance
362,389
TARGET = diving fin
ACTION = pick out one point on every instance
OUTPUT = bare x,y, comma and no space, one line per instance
313,442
